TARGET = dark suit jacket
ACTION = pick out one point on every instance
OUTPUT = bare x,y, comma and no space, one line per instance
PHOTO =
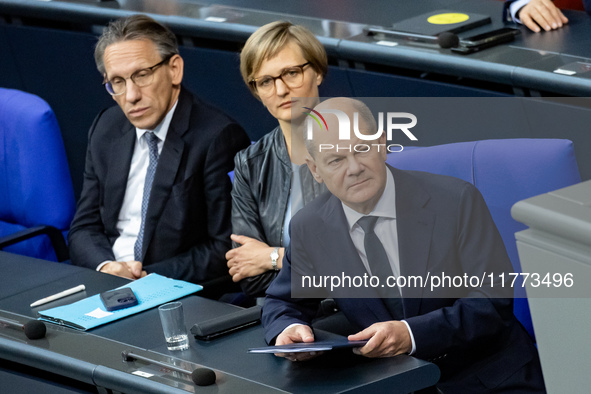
443,226
187,231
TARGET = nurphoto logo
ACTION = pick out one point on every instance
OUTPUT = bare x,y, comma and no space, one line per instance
345,129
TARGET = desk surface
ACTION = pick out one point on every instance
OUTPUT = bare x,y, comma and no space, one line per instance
528,62
95,356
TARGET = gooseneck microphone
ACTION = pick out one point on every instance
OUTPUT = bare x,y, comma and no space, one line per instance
200,376
444,40
34,329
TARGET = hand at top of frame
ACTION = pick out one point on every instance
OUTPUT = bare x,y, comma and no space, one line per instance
541,13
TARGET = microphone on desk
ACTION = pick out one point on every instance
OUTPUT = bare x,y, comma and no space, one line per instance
200,376
444,40
34,329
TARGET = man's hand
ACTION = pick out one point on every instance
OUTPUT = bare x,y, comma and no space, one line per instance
296,334
542,13
125,269
386,339
252,258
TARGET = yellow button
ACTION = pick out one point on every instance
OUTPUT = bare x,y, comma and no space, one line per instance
448,18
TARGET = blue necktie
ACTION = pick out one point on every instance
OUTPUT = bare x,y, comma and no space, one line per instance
380,266
152,140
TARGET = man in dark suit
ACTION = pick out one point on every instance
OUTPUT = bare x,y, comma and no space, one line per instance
428,226
156,194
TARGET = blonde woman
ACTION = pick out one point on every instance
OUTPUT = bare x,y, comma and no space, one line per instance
283,65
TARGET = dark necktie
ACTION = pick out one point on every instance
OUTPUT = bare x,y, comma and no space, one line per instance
152,140
380,266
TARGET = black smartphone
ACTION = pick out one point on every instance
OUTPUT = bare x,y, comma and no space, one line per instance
498,36
118,299
485,40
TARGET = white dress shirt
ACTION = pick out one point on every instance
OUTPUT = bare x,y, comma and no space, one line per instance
516,6
385,227
130,215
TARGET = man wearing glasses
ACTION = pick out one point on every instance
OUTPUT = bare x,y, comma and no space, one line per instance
156,195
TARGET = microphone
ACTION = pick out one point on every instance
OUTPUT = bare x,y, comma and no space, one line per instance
34,329
445,39
200,376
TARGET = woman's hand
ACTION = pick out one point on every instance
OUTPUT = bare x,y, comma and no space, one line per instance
251,258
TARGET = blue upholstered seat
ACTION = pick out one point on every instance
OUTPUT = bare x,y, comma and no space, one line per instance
505,171
35,184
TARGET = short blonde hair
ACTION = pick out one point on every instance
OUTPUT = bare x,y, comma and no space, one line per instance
270,39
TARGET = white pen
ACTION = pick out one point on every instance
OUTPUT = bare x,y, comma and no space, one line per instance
58,295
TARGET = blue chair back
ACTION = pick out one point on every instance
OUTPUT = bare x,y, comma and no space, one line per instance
505,171
35,184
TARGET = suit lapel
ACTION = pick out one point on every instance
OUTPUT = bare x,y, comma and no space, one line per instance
168,166
415,230
335,238
364,311
121,149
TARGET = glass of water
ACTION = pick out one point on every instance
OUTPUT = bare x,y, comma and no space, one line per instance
173,326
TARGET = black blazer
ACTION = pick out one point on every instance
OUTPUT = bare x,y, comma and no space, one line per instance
443,225
187,230
260,197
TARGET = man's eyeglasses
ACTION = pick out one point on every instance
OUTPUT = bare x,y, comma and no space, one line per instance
141,78
293,77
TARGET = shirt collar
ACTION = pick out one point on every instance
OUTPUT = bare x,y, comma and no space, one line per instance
384,207
162,129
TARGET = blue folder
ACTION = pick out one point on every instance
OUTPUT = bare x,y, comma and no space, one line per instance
150,291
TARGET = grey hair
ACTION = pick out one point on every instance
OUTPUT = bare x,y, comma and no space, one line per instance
135,27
